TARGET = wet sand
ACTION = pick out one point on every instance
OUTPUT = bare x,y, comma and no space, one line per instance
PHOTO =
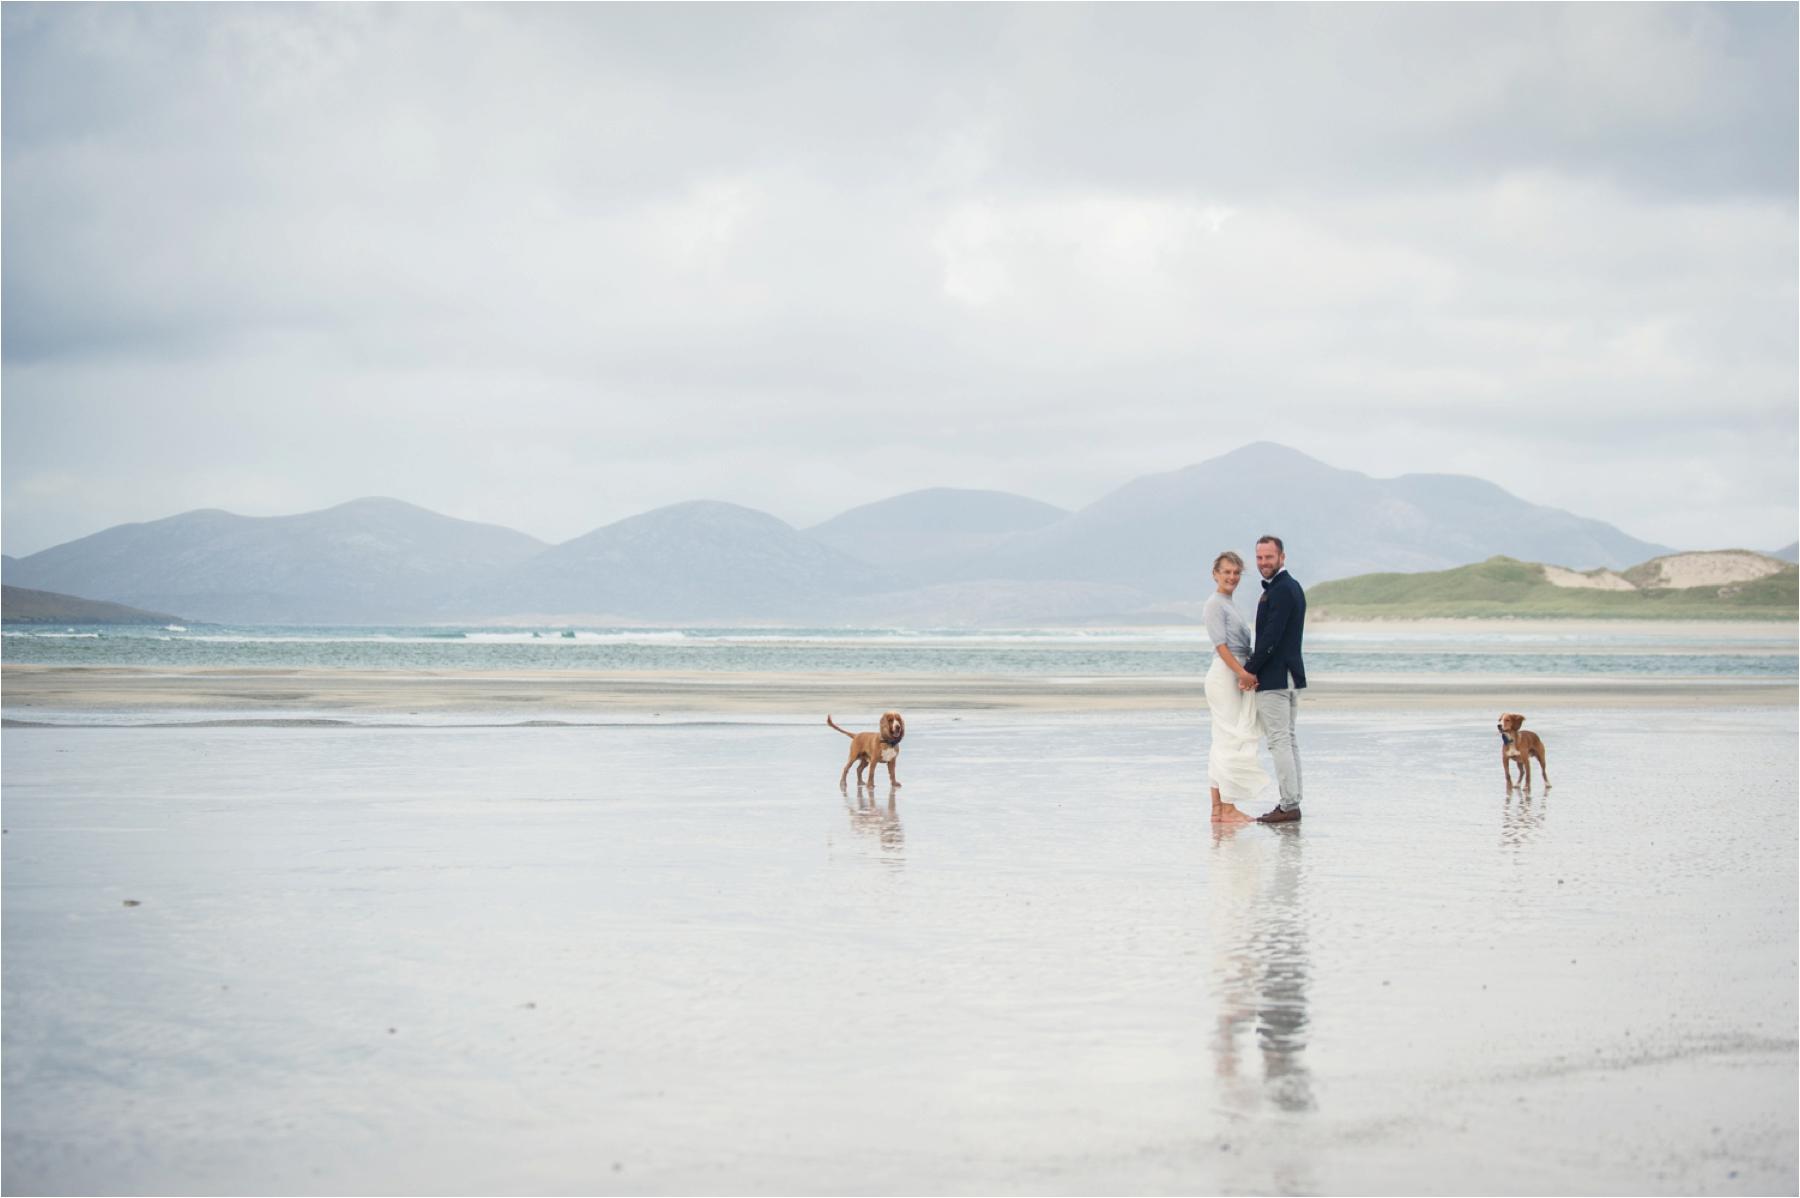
671,957
51,694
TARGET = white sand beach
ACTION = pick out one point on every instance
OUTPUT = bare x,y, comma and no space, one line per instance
664,954
39,693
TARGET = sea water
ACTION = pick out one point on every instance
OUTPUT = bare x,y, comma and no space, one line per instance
1761,651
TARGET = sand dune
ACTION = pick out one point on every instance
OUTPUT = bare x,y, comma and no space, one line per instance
1712,569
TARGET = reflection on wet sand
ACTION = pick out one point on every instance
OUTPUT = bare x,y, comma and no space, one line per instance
877,822
1260,968
1521,818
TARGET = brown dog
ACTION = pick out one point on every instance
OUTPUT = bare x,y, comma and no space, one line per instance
1518,745
874,748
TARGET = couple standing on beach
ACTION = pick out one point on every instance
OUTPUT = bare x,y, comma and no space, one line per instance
1253,694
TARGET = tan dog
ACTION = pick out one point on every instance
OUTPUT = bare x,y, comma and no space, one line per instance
874,748
1517,745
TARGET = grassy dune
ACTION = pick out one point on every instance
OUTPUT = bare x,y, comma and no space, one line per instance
1502,586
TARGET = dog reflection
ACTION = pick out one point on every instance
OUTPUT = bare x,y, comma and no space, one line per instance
876,821
1521,820
1261,968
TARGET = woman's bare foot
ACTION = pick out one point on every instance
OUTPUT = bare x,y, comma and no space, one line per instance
1228,813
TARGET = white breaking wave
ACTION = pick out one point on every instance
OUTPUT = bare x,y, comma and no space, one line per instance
572,637
59,636
872,638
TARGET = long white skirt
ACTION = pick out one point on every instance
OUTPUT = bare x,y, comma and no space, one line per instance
1233,764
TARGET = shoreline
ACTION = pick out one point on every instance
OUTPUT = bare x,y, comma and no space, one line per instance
1763,626
34,694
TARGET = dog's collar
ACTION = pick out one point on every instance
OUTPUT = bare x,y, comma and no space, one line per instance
1505,738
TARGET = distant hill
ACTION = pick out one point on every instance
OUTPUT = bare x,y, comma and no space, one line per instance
937,557
370,561
929,532
1159,533
1003,604
698,561
1790,553
1738,585
21,605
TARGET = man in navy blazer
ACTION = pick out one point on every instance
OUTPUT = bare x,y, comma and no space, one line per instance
1280,674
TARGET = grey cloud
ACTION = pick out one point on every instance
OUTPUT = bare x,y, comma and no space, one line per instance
319,161
641,253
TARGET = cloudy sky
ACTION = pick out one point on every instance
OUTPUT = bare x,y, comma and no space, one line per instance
553,266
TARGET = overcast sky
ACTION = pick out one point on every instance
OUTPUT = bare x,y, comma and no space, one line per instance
553,266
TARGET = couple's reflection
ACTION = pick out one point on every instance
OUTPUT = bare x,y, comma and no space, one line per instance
877,821
1260,968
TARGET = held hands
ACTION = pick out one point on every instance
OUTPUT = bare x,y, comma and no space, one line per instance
1246,681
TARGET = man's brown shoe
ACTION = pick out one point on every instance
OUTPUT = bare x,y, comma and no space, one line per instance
1280,816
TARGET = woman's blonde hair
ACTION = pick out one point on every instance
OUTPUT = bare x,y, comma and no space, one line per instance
1227,556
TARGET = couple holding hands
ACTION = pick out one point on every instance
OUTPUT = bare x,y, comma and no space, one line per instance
1254,693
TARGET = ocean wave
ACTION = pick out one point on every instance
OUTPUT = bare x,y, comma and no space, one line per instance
547,637
578,636
969,640
58,636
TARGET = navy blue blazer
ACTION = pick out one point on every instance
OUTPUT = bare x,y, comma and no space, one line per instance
1280,624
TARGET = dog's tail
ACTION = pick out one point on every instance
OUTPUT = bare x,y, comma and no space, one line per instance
851,735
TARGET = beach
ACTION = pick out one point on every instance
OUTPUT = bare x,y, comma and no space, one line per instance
571,934
85,694
575,675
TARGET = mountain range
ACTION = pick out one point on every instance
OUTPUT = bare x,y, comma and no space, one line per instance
20,605
938,557
359,562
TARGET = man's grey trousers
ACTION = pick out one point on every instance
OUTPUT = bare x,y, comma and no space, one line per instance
1277,710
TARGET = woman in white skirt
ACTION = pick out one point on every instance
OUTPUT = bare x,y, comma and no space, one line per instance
1232,768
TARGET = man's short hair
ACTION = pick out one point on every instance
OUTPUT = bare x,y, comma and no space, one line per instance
1269,539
